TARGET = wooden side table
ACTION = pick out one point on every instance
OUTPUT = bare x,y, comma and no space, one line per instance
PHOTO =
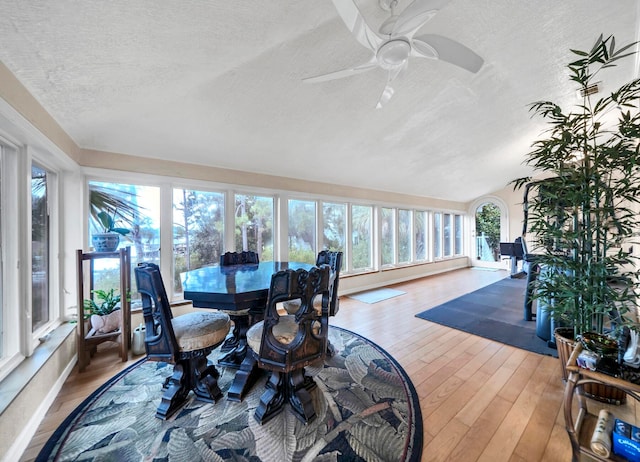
87,345
581,428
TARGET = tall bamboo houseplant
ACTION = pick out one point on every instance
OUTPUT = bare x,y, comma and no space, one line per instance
582,213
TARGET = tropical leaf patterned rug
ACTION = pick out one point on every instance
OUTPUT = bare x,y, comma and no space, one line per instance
367,410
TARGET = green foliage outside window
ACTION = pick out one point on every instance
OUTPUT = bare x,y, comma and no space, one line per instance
488,227
254,225
361,223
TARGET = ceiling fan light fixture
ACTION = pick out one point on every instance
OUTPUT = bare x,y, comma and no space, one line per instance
393,53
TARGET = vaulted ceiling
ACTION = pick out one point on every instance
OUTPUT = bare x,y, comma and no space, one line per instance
221,84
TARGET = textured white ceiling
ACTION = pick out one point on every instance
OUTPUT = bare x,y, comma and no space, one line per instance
220,83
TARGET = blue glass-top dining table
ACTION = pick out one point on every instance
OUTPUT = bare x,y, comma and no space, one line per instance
235,289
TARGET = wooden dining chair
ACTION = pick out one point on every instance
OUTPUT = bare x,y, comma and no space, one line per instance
284,344
334,260
239,258
184,341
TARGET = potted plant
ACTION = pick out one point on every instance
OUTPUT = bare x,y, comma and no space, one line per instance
103,311
581,211
109,238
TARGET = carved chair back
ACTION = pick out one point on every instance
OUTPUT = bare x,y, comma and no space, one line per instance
160,339
334,260
308,342
238,258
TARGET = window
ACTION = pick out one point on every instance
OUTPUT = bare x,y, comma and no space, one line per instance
458,248
198,230
202,224
254,225
437,235
136,208
2,304
447,234
28,226
40,307
421,219
302,231
387,235
361,237
404,236
12,327
334,226
488,227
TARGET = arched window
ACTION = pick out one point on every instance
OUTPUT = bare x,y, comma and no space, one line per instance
489,227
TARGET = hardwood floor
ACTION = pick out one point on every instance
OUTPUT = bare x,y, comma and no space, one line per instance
480,400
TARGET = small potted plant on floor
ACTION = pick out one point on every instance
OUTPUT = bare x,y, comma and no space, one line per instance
103,311
581,212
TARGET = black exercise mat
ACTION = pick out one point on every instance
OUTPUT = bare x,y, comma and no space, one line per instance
495,312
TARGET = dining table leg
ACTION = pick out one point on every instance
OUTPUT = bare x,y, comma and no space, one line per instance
236,349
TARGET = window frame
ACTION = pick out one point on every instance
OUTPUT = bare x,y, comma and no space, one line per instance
458,239
54,264
393,236
274,208
13,202
175,294
322,227
373,234
409,236
427,236
19,339
317,226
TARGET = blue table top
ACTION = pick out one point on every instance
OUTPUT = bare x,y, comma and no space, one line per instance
231,287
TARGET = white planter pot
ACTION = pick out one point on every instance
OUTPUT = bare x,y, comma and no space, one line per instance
105,242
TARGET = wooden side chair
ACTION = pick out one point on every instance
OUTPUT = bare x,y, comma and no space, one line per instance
184,341
239,258
285,344
242,319
334,260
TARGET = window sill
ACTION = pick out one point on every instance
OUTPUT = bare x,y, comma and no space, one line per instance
19,378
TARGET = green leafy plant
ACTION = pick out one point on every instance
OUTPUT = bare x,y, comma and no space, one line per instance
114,203
103,303
108,224
581,211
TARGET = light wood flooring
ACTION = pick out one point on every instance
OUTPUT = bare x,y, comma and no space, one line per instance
480,400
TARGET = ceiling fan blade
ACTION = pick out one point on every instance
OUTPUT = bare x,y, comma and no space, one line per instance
437,47
416,15
343,73
355,22
388,91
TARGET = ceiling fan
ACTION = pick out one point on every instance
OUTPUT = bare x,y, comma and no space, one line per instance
395,43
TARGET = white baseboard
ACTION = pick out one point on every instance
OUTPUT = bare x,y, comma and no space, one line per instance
22,442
